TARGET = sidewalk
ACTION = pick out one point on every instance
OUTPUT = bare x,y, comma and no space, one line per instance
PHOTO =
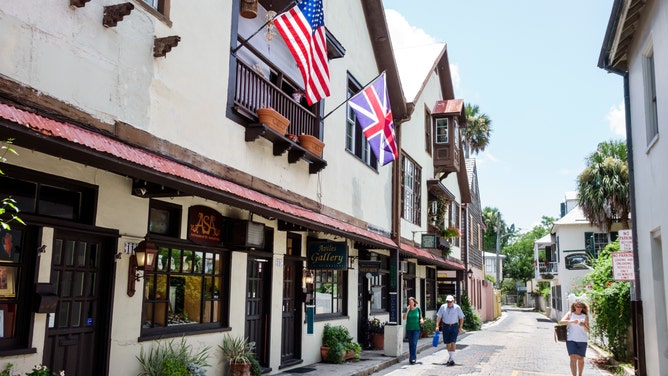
370,361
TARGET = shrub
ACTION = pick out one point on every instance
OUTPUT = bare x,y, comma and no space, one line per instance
169,359
471,319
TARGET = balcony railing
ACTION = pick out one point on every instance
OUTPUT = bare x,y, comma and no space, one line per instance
548,267
253,91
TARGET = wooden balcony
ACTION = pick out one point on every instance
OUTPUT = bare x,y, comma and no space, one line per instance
253,91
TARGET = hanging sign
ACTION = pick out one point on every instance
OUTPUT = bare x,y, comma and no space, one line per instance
625,238
204,226
428,241
327,255
369,267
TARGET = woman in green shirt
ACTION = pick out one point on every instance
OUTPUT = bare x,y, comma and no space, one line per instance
413,319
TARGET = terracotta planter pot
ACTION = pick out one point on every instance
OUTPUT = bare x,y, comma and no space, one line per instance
273,120
378,341
311,144
240,369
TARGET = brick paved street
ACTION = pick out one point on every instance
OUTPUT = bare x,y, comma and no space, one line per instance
520,344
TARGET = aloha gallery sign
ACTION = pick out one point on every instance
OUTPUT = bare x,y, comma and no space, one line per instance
327,255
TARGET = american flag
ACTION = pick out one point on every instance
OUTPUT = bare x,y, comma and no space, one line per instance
373,111
303,29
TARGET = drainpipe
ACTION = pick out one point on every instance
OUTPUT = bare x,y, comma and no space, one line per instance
636,297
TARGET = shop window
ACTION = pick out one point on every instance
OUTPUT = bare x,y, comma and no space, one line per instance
329,292
184,292
16,271
380,285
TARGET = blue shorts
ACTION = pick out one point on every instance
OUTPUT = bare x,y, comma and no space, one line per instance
576,348
450,333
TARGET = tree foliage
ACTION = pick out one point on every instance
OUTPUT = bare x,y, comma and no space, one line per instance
603,186
8,208
477,131
610,303
518,264
494,224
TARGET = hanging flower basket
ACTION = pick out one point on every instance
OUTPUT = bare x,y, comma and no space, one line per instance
451,232
311,144
274,120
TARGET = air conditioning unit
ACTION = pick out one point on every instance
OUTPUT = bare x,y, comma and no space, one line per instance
244,234
403,267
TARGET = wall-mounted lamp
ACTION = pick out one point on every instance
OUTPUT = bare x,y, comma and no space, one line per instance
470,273
307,285
142,259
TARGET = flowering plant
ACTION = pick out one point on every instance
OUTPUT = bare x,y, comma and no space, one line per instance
42,370
376,326
451,232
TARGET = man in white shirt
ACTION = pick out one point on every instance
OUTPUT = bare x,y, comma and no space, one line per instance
452,319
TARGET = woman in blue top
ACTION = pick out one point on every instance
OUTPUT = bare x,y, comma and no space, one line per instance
413,319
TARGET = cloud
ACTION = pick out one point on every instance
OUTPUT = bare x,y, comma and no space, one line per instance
616,120
415,52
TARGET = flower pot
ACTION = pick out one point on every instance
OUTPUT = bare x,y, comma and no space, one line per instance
240,369
378,341
311,144
274,120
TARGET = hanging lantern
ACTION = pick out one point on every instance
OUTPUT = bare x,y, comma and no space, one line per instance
248,8
270,32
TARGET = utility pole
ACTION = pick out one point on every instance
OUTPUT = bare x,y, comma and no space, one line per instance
498,258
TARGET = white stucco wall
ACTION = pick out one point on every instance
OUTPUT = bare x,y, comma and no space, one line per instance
111,74
651,178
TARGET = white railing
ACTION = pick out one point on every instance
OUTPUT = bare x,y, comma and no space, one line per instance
548,267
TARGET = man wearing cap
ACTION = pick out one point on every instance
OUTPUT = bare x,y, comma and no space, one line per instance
452,319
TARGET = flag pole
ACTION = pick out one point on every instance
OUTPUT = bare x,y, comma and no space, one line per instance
346,101
245,41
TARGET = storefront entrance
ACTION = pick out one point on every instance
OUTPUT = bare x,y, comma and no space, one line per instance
77,334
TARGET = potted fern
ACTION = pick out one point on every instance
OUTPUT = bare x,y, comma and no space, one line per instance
238,352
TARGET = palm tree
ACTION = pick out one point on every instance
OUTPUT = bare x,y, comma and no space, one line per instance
477,131
603,186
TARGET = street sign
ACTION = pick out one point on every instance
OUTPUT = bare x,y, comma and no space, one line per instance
625,240
622,266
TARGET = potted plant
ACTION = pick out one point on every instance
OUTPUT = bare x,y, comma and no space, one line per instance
429,327
377,330
338,345
238,352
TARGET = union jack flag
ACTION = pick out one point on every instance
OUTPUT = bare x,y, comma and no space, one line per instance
303,30
373,111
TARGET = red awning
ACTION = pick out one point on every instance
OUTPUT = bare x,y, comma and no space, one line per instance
110,146
425,255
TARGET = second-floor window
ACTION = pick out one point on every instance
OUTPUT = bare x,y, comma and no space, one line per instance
160,6
356,143
441,131
411,198
427,131
649,82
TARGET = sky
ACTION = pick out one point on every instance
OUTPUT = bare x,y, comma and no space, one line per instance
531,66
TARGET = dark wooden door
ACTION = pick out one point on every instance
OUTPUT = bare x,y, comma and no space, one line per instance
77,334
258,291
291,328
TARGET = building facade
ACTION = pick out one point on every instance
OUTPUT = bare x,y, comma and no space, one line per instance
136,126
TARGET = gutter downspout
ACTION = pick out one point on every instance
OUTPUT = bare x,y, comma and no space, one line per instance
636,296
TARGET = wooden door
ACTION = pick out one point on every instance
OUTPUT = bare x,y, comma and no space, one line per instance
291,328
258,293
77,334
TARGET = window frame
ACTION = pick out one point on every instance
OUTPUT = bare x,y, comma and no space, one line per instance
382,283
649,87
341,298
160,11
411,198
442,131
150,298
427,131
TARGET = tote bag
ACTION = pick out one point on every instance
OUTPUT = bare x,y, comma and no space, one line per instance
560,332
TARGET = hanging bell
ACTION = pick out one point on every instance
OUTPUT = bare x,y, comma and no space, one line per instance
248,8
